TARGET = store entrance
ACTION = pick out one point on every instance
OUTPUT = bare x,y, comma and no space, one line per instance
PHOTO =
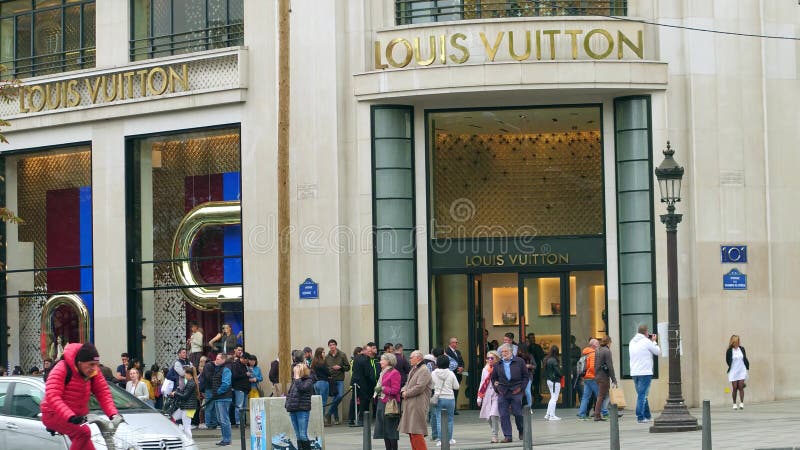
542,310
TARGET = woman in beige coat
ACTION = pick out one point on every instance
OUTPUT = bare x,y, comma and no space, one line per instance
416,401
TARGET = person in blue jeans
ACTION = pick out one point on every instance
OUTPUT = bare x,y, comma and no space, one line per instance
642,349
444,384
322,374
222,396
338,365
298,400
589,383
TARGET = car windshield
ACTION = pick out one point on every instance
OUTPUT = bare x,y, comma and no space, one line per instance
122,400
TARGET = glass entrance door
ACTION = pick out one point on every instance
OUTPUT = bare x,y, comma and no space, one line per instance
546,305
564,309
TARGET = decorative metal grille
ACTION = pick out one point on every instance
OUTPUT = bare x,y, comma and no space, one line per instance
30,319
180,26
422,11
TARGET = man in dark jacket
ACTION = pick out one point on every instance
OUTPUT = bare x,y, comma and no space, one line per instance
222,395
364,378
402,365
240,382
205,380
509,378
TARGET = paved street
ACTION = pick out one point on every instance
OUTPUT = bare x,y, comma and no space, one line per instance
759,426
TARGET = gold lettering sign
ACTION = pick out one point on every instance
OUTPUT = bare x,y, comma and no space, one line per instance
432,49
524,259
104,88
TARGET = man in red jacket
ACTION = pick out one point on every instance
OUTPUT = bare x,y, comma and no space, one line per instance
67,391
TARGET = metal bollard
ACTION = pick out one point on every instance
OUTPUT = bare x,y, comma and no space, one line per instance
242,426
527,427
444,430
366,443
613,417
706,425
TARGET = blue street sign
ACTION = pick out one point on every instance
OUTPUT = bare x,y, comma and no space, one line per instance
734,280
734,253
309,289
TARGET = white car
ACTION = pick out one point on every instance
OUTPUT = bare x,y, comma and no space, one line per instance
21,425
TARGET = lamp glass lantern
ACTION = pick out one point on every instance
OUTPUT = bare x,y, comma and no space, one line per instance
669,175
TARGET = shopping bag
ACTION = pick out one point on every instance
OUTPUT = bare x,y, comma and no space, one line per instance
253,393
562,382
617,397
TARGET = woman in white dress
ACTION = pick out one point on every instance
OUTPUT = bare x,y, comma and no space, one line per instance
738,365
137,387
487,397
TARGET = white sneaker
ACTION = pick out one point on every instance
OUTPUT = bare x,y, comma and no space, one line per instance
547,417
438,443
741,405
735,406
555,418
452,441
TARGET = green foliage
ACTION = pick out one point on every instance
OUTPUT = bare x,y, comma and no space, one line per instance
8,92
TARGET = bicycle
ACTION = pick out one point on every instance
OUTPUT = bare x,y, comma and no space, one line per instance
113,437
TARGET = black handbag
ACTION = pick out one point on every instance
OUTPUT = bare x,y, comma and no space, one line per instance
170,405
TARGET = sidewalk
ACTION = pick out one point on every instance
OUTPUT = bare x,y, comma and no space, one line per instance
758,426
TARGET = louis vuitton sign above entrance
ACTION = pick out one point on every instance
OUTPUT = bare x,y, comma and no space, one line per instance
519,41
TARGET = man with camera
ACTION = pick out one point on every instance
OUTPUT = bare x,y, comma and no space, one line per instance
642,348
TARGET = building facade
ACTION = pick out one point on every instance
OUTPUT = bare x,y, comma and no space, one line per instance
458,168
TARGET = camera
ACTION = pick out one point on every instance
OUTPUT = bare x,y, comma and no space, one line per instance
650,336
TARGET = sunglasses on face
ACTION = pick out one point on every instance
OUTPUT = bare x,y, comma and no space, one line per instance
491,358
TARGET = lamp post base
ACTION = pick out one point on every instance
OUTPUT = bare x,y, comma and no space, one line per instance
675,418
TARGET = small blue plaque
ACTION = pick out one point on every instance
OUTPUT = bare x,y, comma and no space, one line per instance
734,253
734,281
309,289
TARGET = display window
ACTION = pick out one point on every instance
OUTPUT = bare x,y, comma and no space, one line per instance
48,291
185,239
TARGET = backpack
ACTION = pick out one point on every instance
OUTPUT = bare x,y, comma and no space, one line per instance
172,375
67,377
582,364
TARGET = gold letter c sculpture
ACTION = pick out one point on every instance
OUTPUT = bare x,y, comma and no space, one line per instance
202,215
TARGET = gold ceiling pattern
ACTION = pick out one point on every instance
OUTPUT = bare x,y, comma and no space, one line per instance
547,184
35,176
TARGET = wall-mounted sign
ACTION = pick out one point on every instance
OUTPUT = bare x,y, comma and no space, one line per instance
309,289
521,41
147,82
734,281
733,253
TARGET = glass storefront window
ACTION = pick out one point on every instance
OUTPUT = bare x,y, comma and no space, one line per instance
516,172
185,238
48,277
171,27
39,38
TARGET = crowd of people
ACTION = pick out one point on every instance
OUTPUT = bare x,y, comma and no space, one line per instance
404,395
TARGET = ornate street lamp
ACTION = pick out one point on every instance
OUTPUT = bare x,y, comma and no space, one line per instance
675,416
